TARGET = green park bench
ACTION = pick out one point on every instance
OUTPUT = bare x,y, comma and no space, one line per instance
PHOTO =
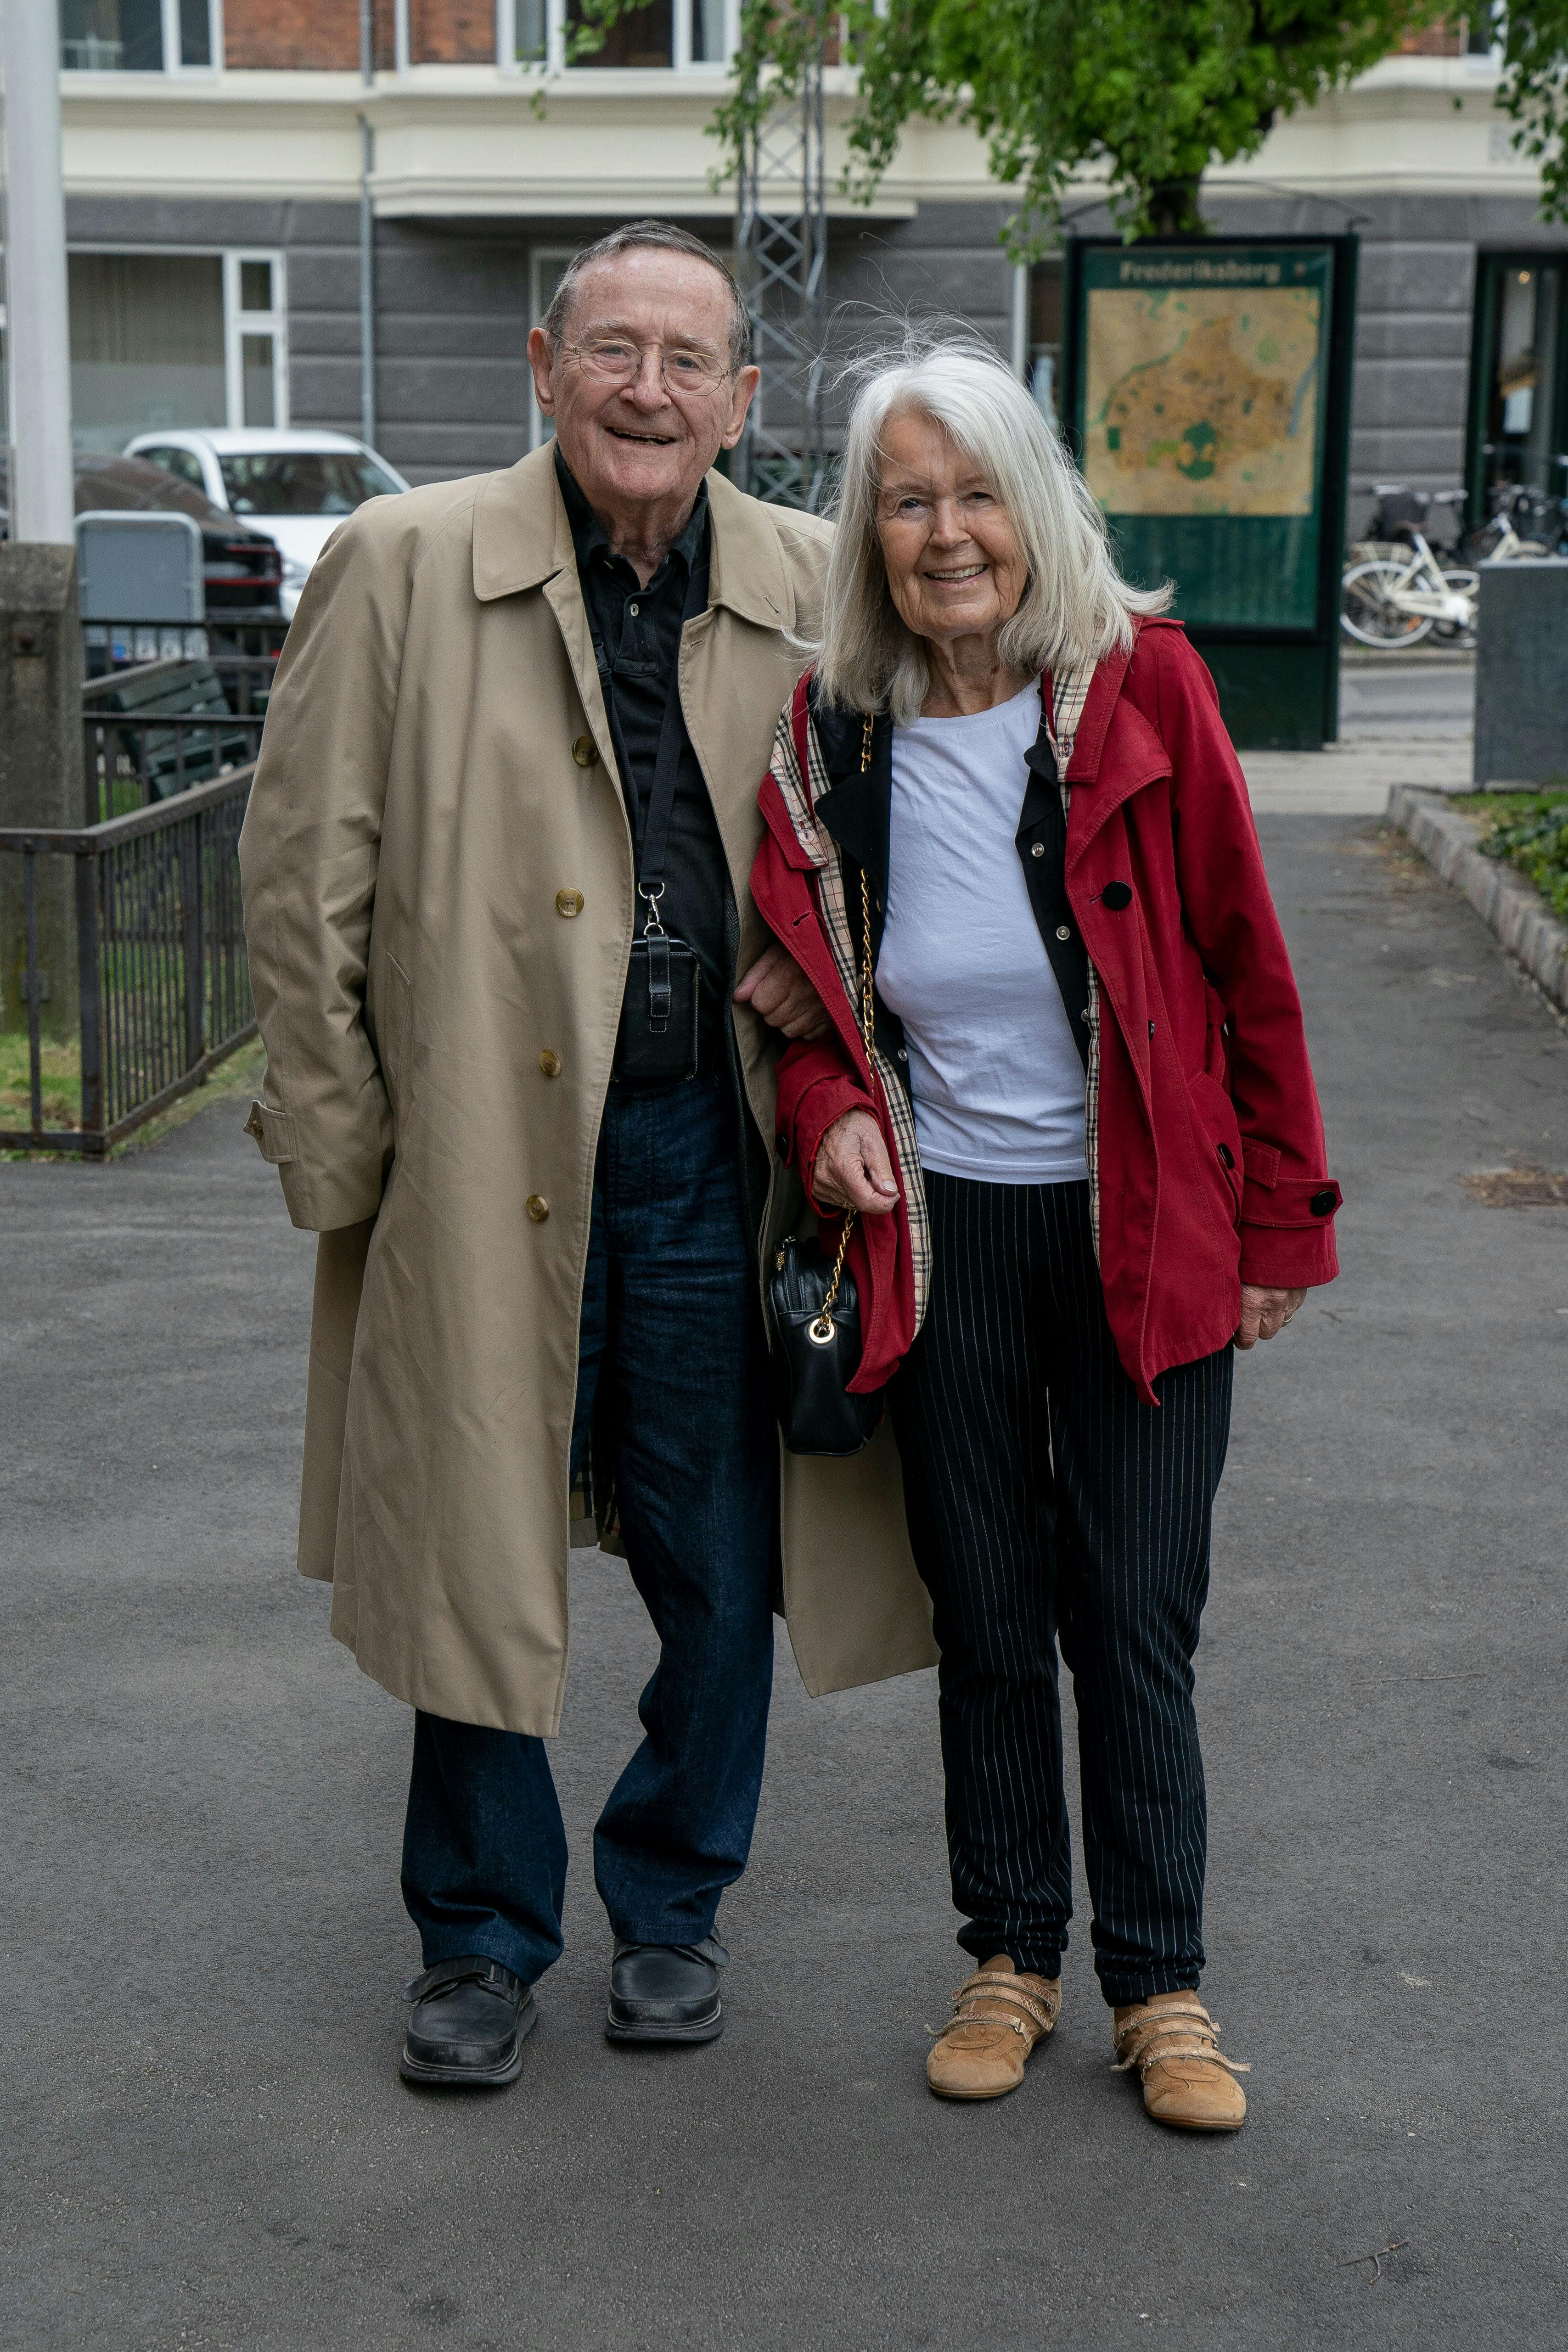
163,721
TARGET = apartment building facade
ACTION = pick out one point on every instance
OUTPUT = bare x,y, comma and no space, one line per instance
221,156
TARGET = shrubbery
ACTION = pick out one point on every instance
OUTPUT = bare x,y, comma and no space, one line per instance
1533,836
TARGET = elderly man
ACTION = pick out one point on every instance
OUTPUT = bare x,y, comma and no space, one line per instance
496,878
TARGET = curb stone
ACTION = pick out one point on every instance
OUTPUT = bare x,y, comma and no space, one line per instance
1500,894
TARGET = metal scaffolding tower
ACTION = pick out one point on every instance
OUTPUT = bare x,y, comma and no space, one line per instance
781,250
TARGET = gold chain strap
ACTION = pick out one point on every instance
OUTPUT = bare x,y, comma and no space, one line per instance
821,1331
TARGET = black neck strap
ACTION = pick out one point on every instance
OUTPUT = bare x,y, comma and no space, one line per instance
651,817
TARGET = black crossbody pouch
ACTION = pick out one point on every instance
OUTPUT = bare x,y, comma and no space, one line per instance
658,1013
658,1030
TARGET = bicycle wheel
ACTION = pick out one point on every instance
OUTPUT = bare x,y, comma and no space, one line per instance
1370,613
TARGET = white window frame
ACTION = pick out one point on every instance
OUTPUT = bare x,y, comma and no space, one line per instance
236,322
169,20
555,61
239,323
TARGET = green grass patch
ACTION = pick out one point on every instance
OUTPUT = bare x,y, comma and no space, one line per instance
62,1075
240,1075
1530,831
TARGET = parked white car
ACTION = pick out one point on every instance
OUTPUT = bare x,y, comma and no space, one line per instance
302,483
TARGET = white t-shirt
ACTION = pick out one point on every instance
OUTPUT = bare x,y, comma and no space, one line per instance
997,1084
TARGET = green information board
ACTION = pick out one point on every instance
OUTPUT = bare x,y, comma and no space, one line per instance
1207,403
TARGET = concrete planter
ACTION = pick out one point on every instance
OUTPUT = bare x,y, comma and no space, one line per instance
1522,675
1499,892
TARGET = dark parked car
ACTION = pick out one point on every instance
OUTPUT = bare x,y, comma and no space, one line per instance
242,567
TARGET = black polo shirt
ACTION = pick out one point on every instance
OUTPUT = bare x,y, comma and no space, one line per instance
637,643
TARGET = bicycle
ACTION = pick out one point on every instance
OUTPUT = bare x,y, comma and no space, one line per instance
1499,541
1400,597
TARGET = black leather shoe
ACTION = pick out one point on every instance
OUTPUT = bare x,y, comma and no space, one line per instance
467,2024
666,1992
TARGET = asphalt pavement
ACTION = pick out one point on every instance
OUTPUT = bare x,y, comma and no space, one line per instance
1419,696
207,2144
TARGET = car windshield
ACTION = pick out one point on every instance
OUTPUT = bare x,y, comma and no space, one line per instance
302,482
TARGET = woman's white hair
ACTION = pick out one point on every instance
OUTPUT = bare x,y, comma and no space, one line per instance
1075,608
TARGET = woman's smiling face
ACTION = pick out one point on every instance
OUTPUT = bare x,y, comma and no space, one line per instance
955,565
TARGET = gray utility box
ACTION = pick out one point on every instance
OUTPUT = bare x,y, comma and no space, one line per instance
1521,673
140,567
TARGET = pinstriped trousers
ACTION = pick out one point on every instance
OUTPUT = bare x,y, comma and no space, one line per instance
1048,1504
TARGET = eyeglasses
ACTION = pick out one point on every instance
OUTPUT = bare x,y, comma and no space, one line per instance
613,359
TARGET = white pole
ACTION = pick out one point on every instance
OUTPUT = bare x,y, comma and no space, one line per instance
38,319
366,232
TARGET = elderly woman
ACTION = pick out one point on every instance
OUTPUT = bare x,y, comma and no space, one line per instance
1085,1160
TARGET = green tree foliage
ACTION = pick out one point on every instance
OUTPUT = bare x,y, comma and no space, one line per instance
1535,92
1149,92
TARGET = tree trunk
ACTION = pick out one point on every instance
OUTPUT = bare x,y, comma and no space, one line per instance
1173,209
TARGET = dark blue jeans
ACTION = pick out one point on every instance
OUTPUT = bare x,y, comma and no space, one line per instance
672,1323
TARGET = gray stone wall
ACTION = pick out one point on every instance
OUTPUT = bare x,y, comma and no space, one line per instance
321,245
452,308
1415,295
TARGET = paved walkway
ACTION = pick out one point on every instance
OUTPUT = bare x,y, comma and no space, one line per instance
1404,719
206,2145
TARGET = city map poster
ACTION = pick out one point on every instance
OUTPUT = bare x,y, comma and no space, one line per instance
1200,406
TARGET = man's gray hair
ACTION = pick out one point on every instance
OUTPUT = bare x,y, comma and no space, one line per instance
1075,608
635,237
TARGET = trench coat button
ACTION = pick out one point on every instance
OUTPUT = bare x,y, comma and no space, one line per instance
1323,1203
781,1142
1116,895
1039,850
1064,931
1227,1156
538,1207
586,752
549,1064
569,902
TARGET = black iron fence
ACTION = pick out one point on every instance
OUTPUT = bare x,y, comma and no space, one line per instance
107,646
162,968
151,732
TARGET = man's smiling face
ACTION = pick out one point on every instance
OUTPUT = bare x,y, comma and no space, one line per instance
643,444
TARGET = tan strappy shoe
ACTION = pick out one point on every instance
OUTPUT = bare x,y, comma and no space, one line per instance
998,2016
1187,2080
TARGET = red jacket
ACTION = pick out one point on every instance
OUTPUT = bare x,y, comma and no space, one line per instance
1206,1140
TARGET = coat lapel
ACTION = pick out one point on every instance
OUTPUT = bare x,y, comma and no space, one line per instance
1137,756
522,540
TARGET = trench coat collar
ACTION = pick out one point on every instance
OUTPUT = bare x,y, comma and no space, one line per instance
522,538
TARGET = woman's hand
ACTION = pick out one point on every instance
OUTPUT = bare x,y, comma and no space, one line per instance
1264,1313
851,1169
778,989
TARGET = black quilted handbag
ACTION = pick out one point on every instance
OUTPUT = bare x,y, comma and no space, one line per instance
815,1351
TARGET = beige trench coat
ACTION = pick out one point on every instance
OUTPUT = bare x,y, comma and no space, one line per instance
438,897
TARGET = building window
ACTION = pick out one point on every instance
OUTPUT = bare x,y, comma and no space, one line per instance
1519,408
1482,34
662,35
257,371
1043,351
174,339
140,35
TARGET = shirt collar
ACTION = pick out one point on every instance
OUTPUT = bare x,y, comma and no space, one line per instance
590,538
